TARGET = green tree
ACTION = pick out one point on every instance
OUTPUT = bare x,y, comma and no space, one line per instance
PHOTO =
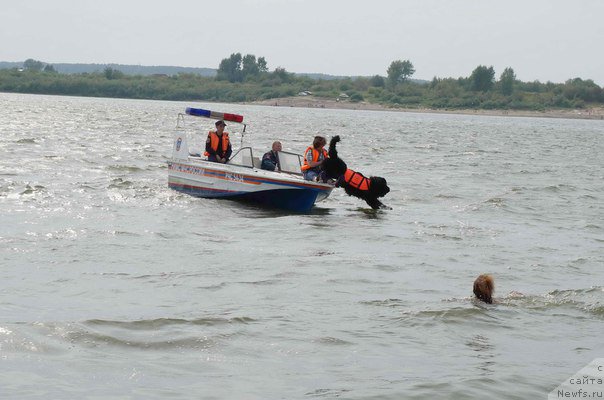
507,79
578,88
249,67
33,65
282,75
482,79
262,66
355,97
237,68
445,88
377,81
399,71
111,73
49,68
230,69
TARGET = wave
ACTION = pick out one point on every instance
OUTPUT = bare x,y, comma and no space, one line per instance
33,189
384,303
329,393
496,201
460,311
26,141
558,188
119,183
124,168
119,233
90,339
590,301
159,323
454,314
447,196
328,340
262,282
54,157
149,334
491,202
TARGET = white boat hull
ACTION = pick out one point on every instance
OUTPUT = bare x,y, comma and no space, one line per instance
213,180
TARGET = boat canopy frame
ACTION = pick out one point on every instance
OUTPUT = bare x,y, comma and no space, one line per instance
287,162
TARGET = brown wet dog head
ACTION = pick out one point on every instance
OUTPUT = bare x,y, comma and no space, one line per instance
484,286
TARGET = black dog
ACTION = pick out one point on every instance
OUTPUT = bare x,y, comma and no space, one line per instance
354,183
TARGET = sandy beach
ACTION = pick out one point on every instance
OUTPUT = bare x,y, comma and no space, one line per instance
313,102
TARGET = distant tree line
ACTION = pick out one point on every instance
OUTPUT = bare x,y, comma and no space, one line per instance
127,69
248,78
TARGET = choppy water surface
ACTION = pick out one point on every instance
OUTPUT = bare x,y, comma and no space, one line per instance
114,286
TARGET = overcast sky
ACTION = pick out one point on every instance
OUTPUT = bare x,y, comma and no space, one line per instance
548,40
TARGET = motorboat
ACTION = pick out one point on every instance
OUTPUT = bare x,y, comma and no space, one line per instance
242,177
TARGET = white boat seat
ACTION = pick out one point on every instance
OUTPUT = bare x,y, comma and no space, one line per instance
257,162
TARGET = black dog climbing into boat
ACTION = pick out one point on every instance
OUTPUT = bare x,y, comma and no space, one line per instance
354,183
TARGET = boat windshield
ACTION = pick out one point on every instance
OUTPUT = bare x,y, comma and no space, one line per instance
290,162
245,158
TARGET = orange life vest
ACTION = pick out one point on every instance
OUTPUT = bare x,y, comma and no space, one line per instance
356,180
214,139
315,157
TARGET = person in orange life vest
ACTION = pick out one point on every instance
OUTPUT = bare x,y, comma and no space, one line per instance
218,145
313,159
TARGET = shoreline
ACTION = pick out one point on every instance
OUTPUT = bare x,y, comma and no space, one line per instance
596,113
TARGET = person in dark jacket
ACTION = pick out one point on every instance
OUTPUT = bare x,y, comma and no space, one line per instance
270,161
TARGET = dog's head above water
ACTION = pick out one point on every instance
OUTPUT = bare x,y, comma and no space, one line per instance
484,287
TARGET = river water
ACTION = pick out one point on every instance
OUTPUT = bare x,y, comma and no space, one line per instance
113,286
